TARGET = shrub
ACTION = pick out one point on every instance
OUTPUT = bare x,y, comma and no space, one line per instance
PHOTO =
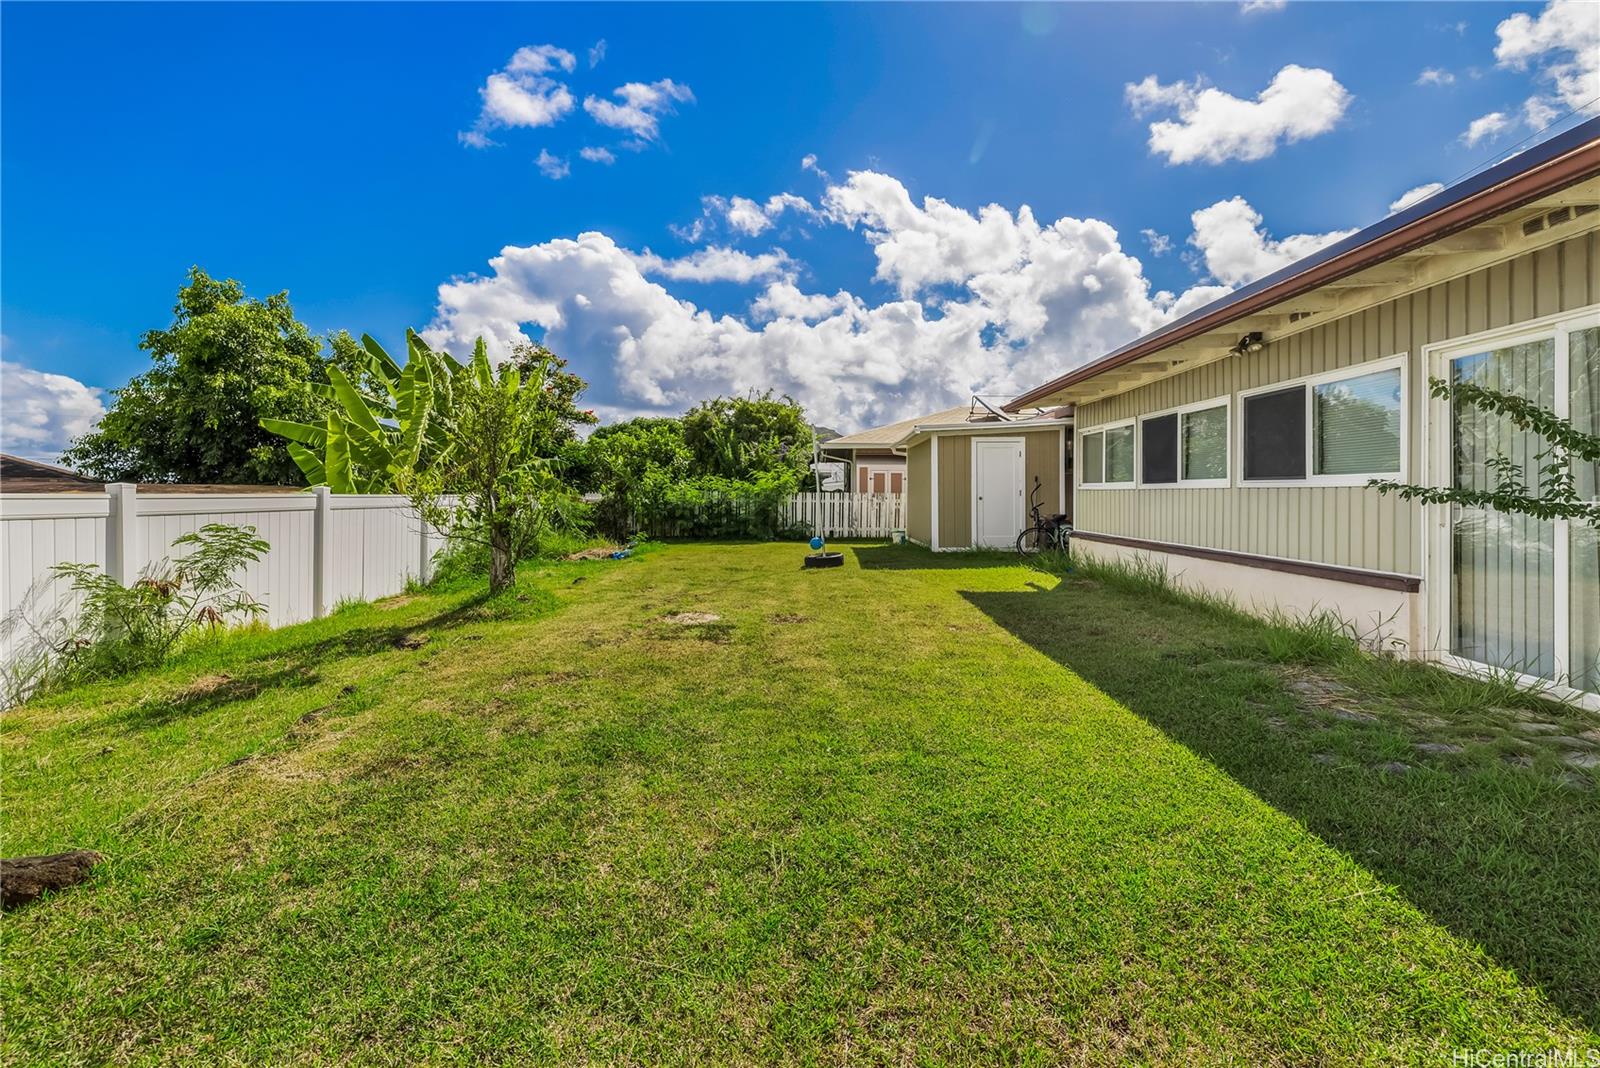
115,628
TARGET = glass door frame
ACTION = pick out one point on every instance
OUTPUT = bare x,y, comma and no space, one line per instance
1439,470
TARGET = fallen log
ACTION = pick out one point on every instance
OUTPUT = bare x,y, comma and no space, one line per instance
22,879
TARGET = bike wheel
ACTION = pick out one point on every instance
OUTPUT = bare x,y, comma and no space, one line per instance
1030,541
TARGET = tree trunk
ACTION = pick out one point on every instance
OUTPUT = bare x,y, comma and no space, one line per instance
502,567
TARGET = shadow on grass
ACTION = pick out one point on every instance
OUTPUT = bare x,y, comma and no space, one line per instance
244,676
1497,854
916,558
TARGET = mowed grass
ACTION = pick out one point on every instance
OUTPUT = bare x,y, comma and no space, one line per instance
915,810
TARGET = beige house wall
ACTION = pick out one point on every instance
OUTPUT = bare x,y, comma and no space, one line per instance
1347,526
955,491
918,500
1042,460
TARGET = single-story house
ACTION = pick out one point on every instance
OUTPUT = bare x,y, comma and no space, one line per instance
1235,445
971,471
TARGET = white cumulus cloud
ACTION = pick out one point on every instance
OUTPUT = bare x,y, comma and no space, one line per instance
552,166
1236,248
718,264
1435,76
639,106
1261,7
523,94
40,412
1213,126
991,301
1562,44
1415,196
598,155
1485,127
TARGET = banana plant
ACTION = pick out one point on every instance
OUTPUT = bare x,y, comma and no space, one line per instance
374,442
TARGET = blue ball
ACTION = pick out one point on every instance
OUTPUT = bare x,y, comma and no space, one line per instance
816,542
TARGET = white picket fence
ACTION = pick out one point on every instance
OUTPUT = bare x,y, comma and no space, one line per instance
325,548
848,515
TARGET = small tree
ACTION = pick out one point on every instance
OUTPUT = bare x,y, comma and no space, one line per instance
496,488
1556,495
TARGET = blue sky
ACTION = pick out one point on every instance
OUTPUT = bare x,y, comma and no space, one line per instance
326,149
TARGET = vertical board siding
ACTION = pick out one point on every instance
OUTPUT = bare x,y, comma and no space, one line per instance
955,491
1042,460
919,496
1351,526
376,545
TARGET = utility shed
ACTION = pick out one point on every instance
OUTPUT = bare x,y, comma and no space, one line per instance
970,479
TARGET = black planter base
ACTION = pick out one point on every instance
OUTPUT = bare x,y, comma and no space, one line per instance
825,560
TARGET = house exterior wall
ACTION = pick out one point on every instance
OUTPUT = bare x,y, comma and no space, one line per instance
1042,460
955,490
1350,526
919,499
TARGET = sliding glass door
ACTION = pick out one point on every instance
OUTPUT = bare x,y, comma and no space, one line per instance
1521,594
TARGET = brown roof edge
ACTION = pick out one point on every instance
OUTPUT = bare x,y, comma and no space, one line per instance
1574,165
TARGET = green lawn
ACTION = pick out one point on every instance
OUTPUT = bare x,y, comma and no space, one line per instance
919,809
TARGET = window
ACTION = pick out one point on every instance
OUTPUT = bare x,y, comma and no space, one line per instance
1275,434
1107,456
1339,428
1160,449
1185,447
1356,425
1119,455
1205,444
1094,459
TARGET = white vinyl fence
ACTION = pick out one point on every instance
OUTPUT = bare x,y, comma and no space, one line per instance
848,515
325,548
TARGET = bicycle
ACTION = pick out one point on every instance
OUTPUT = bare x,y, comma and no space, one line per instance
1052,534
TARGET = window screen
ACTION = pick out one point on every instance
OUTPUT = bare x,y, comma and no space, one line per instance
1119,454
1094,460
1275,434
1356,425
1205,443
1160,449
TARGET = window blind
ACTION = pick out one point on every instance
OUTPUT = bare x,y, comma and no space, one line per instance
1094,459
1205,443
1356,425
1119,454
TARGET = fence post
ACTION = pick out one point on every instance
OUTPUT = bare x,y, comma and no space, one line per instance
321,551
122,533
430,544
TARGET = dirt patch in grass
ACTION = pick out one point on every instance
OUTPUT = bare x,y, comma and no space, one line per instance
411,641
210,685
690,619
790,617
600,552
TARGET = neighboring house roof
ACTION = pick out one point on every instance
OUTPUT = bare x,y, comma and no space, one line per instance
19,475
971,414
1546,168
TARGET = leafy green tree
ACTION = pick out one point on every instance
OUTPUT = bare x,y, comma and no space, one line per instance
1555,493
743,437
560,394
498,488
226,362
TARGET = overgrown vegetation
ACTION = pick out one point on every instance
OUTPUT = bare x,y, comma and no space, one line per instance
103,629
723,470
924,807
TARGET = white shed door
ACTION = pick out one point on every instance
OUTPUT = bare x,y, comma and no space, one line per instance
997,485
